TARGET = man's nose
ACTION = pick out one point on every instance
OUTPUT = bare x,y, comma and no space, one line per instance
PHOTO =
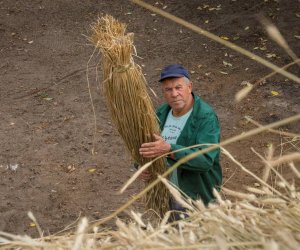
174,92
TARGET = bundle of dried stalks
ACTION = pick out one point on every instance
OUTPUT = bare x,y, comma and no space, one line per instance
128,101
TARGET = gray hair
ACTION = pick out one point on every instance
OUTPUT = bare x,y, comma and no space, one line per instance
186,80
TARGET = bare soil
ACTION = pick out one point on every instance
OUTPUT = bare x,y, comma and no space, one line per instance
46,135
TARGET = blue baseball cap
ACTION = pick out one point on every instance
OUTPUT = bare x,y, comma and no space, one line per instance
173,70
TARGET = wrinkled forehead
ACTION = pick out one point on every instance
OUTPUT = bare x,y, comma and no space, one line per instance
169,82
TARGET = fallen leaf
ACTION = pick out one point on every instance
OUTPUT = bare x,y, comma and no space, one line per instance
224,37
30,42
206,21
246,28
298,15
71,168
192,72
227,64
236,38
43,95
270,55
32,224
48,98
298,37
263,48
92,170
165,7
223,72
274,93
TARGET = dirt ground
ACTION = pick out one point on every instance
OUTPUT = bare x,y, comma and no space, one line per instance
46,135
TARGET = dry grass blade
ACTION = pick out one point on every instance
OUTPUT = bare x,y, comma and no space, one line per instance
249,172
267,168
32,217
128,101
135,176
246,90
243,92
175,193
137,218
259,191
239,195
81,228
218,39
275,34
293,135
286,158
294,169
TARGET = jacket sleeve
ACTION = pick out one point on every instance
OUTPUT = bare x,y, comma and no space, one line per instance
207,133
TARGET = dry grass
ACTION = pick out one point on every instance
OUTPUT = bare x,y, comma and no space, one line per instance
264,217
128,101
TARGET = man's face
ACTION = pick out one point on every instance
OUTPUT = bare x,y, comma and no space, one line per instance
177,93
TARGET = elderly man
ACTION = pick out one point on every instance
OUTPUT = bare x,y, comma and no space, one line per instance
186,120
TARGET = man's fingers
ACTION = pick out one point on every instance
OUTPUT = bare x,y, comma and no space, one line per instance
148,145
150,154
148,149
152,144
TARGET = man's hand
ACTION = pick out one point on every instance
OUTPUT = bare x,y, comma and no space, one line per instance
156,148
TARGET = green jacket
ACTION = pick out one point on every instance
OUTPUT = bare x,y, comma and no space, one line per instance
197,177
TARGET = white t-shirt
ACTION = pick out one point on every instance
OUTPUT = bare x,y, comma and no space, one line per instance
171,131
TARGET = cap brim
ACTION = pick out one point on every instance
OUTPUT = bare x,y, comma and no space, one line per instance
171,76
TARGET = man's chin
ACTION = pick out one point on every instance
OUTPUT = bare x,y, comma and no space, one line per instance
177,108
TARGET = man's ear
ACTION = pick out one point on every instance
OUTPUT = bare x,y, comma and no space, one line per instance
191,86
